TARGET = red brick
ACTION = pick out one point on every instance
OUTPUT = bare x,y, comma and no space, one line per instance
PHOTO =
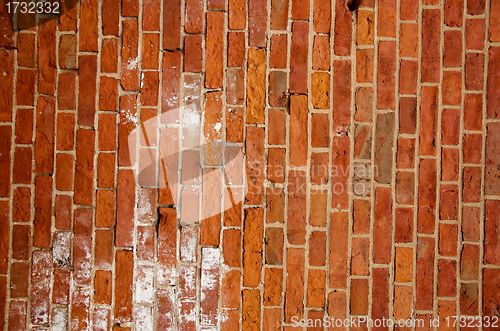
5,159
474,34
317,244
151,15
321,52
452,56
449,164
21,172
470,223
469,299
380,293
47,57
251,309
17,314
448,202
340,172
447,280
273,280
109,55
431,29
210,293
63,212
491,297
493,99
426,196
257,23
167,238
297,207
84,167
428,121
300,9
171,24
321,16
316,288
425,273
338,249
105,208
473,105
404,225
64,173
25,89
252,246
67,51
192,53
232,247
26,49
494,31
102,286
89,31
61,285
491,242
111,17
471,181
298,57
448,239
43,211
87,89
406,153
236,49
298,125
125,208
40,287
44,142
130,55
123,284
19,280
387,18
255,164
452,88
66,96
492,172
6,84
408,76
230,289
294,291
359,297
469,262
453,12
383,147
360,251
341,95
474,71
472,148
342,29
214,49
24,126
361,216
194,16
408,40
238,14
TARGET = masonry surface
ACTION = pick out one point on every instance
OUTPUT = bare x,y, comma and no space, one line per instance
241,164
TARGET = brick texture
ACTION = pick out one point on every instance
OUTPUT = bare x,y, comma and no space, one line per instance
231,164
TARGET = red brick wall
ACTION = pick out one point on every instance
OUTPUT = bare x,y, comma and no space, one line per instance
365,152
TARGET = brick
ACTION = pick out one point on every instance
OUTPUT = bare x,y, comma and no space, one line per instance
383,147
40,289
237,14
67,51
318,206
232,247
385,79
21,173
491,242
257,23
360,251
24,126
424,273
471,184
236,49
297,204
130,55
361,216
109,55
294,291
408,39
17,314
63,212
256,80
342,28
365,27
452,88
341,95
251,309
453,13
43,211
214,49
111,15
273,279
167,235
6,84
430,37
340,174
492,173
321,16
383,211
491,277
231,289
447,281
452,50
87,89
300,10
84,167
298,125
64,173
405,187
105,208
24,90
493,99
88,33
426,196
408,75
447,239
317,244
320,90
4,247
494,31
406,153
210,272
277,89
298,57
359,297
5,159
469,298
124,208
448,202
46,57
123,284
26,49
338,251
252,246
474,34
364,65
469,262
404,225
321,52
316,288
66,97
363,104
44,142
102,286
171,24
380,293
403,298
